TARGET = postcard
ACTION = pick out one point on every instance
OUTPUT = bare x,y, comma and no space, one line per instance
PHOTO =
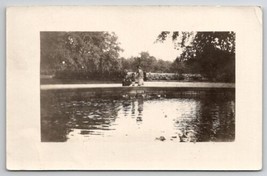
134,88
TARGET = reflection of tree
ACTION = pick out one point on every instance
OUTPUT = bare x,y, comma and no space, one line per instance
96,114
53,127
140,102
61,114
216,118
225,130
212,120
205,120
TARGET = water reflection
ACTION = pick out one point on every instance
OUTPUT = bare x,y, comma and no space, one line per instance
137,119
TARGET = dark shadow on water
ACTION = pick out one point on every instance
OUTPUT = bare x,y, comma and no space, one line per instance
205,117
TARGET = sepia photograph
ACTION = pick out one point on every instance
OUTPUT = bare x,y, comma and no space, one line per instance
174,86
134,88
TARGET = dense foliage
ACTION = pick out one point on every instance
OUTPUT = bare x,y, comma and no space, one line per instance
96,55
211,54
148,63
80,54
91,55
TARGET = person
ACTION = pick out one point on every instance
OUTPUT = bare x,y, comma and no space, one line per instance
124,77
140,76
127,80
133,79
145,76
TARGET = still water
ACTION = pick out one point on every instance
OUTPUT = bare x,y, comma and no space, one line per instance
189,118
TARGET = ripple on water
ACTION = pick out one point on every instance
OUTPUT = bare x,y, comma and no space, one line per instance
197,119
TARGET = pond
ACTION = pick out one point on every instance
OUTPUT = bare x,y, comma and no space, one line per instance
74,116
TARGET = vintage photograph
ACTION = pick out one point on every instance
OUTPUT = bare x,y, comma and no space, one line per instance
116,86
134,88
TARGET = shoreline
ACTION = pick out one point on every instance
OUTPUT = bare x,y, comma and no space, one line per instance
147,85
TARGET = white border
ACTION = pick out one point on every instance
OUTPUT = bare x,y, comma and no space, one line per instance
24,150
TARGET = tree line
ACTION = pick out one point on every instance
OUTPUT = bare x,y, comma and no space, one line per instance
211,54
95,55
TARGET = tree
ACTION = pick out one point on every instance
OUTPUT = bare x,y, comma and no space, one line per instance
147,62
162,66
52,51
90,52
210,53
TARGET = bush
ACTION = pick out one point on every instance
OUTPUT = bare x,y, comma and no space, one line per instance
83,75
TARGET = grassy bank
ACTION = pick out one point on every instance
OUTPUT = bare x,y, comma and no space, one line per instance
151,77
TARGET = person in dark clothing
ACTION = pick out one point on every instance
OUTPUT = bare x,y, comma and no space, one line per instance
126,80
145,76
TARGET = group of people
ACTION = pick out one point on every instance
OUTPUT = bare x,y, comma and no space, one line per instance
133,78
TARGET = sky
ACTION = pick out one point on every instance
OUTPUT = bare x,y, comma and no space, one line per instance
135,42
